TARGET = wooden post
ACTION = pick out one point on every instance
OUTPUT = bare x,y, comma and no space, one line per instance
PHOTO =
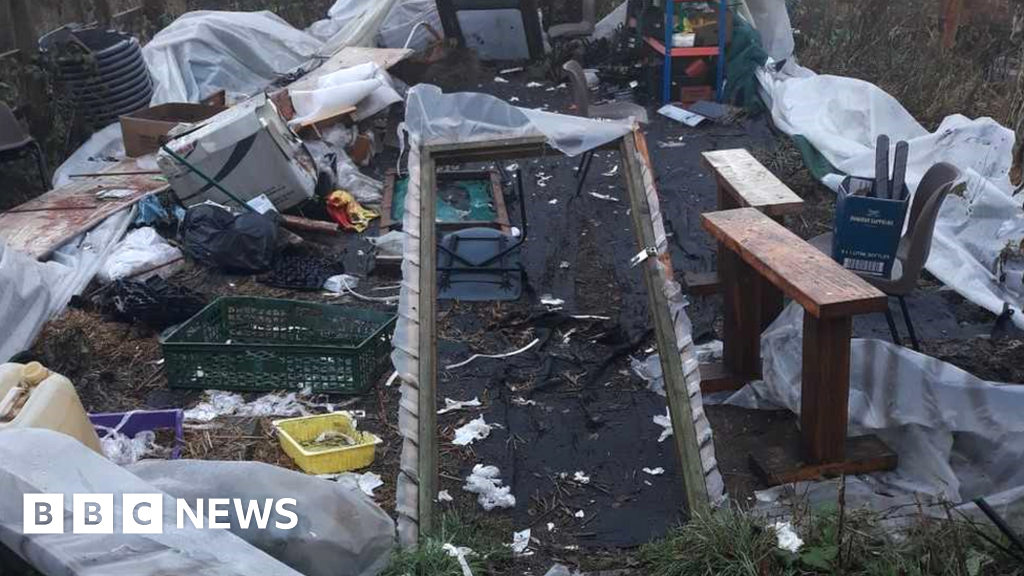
825,393
952,11
104,14
680,409
427,432
6,26
742,294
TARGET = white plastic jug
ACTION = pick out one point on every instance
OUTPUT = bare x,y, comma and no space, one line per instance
51,403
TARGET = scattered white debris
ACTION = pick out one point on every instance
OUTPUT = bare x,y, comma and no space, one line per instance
534,85
368,482
572,547
500,80
551,301
788,540
219,403
444,496
542,180
475,430
654,471
122,450
553,201
590,317
551,526
495,356
453,405
568,336
484,482
580,514
520,543
512,167
391,379
520,401
612,172
565,265
514,99
511,70
459,553
666,423
605,197
580,477
114,194
671,144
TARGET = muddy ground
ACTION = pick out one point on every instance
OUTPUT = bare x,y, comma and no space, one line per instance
570,404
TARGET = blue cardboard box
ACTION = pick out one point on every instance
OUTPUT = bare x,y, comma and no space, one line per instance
867,230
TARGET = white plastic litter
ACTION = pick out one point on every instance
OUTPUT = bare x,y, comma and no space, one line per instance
102,150
580,477
604,197
122,450
666,423
650,370
203,52
389,244
368,482
453,405
219,403
486,483
580,514
474,430
493,356
339,283
654,471
459,553
551,301
444,496
520,543
353,23
142,254
788,539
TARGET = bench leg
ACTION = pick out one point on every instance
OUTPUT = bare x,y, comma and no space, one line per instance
825,395
742,295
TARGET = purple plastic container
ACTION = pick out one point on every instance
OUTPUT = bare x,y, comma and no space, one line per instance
143,420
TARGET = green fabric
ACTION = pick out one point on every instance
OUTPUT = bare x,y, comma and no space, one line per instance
815,161
743,58
480,207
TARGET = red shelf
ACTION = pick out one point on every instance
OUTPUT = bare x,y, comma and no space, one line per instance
683,52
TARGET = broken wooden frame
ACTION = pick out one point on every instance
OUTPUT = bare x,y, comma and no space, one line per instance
692,434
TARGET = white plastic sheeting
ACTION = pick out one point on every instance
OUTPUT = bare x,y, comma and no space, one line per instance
352,23
842,117
957,437
365,86
31,292
102,150
142,254
240,52
340,531
34,461
394,29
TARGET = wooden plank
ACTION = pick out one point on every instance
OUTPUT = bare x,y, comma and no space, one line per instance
783,464
702,283
715,377
750,183
680,408
741,333
825,389
44,224
818,283
427,431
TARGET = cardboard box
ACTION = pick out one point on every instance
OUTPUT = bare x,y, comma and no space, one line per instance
867,230
146,130
249,150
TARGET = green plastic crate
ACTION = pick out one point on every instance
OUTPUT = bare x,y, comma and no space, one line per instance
260,344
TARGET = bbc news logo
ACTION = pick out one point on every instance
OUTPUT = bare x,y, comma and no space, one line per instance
144,513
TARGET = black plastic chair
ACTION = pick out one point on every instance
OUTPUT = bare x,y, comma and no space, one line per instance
16,144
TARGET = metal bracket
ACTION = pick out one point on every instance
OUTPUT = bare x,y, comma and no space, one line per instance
642,256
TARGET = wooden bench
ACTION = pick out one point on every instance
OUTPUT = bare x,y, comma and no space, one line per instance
743,182
760,259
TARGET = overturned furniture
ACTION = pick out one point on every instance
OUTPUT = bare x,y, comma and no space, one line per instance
465,128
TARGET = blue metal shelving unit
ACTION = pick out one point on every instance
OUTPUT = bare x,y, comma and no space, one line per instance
666,50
